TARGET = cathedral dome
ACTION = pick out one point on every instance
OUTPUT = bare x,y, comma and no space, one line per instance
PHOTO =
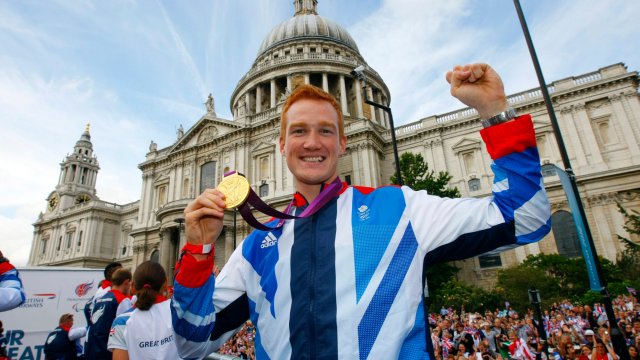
306,23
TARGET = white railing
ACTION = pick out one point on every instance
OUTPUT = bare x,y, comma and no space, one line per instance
301,57
409,128
585,79
263,115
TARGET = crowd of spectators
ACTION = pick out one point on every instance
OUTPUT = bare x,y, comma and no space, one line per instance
572,332
241,345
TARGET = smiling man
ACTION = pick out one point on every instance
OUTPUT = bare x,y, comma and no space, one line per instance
346,281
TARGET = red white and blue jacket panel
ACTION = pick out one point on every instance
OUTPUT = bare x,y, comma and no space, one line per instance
11,290
347,281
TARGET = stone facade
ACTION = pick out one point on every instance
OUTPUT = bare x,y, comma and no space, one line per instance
598,113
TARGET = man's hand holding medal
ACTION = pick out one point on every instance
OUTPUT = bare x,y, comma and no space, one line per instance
204,216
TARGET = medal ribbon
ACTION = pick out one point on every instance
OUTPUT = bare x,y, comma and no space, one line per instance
326,194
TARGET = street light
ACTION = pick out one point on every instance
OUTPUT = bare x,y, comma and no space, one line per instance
534,298
617,338
359,74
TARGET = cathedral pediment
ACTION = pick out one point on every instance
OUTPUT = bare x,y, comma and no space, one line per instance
204,131
538,123
263,147
466,144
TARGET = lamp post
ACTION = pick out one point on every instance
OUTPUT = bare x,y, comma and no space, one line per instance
235,212
534,298
616,336
359,74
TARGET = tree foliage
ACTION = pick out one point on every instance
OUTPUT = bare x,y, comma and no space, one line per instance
630,257
456,294
416,175
557,278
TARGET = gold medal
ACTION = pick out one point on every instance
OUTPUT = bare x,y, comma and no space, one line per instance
235,189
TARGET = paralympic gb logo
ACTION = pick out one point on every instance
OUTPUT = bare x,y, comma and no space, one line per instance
83,288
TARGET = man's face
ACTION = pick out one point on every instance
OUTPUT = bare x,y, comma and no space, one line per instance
312,143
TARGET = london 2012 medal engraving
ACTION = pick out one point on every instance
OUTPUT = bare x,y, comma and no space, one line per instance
235,189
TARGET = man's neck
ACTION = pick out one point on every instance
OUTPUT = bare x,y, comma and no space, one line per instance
311,192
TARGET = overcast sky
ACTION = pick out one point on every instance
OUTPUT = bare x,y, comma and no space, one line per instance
137,70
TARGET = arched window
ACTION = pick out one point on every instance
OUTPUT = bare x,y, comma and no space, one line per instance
564,230
155,256
79,239
44,246
59,243
207,176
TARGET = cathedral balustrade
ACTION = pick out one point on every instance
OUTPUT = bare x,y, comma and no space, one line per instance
263,115
409,128
587,78
301,58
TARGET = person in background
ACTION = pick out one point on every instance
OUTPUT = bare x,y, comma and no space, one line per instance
61,342
103,314
633,353
585,352
145,332
11,290
103,288
603,351
3,345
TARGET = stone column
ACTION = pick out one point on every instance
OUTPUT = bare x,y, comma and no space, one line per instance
273,93
165,248
381,113
520,253
573,147
357,169
373,109
258,99
366,166
76,176
306,78
228,240
358,90
343,96
289,83
279,185
247,102
325,82
593,151
625,124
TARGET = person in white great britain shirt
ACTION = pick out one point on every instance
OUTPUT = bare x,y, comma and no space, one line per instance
145,332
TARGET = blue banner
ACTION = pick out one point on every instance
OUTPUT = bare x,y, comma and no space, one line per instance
594,280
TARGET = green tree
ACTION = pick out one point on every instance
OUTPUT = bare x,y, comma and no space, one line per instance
416,175
629,259
557,277
455,294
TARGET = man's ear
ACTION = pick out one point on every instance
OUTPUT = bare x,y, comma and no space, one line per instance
343,145
282,145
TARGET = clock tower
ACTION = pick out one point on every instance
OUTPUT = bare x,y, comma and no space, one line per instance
78,173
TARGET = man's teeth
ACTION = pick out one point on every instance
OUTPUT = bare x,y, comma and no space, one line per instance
313,159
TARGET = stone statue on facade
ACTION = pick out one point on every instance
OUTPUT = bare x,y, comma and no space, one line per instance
180,132
210,104
153,146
